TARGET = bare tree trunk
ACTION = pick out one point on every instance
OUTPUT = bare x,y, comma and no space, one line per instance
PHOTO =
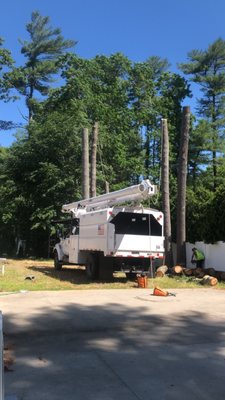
85,164
106,186
166,194
182,181
93,158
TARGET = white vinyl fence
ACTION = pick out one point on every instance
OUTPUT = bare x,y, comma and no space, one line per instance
214,254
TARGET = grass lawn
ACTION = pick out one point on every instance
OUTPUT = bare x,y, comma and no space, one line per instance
45,277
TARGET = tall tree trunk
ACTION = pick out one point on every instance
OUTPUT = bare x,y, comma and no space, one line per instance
214,142
166,194
106,186
182,182
147,151
93,158
85,164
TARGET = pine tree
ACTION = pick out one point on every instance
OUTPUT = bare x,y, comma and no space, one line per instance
6,63
42,51
207,69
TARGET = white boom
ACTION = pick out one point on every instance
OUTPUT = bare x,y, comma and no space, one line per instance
133,193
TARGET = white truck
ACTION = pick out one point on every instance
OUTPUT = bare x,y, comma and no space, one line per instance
106,235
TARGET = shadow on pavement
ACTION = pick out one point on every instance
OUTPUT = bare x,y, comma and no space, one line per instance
116,352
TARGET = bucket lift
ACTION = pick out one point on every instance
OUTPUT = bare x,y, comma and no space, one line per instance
135,193
109,235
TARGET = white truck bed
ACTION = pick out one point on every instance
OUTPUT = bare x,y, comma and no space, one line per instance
118,232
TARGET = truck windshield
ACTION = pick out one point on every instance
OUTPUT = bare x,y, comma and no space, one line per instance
136,224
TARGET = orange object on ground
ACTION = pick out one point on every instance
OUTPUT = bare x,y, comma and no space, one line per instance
160,292
142,281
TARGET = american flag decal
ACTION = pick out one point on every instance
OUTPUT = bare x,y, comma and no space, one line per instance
100,229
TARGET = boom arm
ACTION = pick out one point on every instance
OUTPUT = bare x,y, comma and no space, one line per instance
133,193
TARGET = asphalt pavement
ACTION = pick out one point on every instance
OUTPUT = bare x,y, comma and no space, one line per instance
115,344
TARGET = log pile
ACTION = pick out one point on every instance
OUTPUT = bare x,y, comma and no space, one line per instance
208,276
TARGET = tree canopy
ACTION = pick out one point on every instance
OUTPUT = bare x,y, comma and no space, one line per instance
42,51
41,170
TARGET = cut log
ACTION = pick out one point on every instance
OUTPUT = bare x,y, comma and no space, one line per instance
199,272
210,271
159,274
209,280
177,270
162,268
222,276
188,271
161,271
218,275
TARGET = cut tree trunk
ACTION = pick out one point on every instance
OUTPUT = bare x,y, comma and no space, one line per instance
85,164
93,158
222,276
166,193
161,271
162,268
210,271
181,189
159,274
177,270
209,280
199,272
188,271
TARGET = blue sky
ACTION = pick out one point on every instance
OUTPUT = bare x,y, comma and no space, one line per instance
137,28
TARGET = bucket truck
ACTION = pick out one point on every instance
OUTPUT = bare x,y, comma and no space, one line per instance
112,232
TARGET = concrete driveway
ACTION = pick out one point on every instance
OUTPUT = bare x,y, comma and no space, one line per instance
115,344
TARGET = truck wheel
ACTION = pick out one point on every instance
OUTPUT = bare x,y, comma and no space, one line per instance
92,270
131,276
106,268
57,263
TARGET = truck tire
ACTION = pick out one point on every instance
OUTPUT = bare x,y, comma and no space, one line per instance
131,276
57,263
92,268
106,268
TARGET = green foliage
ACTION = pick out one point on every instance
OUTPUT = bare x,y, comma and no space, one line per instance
205,214
6,64
207,69
97,90
42,169
41,174
42,52
198,203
